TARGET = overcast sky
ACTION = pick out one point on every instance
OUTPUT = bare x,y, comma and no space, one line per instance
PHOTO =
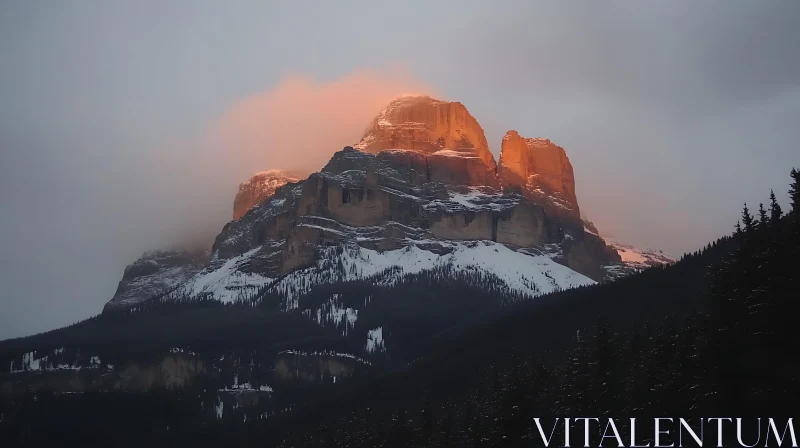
127,125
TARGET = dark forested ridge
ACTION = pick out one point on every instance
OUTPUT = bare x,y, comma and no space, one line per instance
710,335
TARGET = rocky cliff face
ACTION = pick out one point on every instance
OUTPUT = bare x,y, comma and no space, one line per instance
259,188
540,170
377,203
363,214
154,274
450,143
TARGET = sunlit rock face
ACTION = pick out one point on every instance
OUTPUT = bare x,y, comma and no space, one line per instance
453,143
260,188
539,169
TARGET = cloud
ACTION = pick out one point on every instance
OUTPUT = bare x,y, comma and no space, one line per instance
301,122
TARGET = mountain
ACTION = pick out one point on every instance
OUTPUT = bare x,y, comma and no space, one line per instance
259,188
421,186
361,208
419,192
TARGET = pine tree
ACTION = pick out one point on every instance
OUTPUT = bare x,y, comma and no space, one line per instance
763,221
774,210
747,220
794,191
794,223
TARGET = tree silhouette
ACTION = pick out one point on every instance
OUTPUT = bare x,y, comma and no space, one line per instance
775,210
794,191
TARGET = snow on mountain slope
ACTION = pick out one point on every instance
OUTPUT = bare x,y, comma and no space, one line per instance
633,259
530,275
334,313
639,258
227,283
154,274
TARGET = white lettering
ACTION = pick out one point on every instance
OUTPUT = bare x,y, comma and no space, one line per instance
546,441
697,440
789,426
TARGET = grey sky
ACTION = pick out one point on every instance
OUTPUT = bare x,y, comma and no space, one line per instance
672,113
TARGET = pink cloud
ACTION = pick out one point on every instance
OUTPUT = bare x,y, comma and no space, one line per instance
301,122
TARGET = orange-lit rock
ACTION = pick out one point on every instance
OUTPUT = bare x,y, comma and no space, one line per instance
451,139
540,169
259,188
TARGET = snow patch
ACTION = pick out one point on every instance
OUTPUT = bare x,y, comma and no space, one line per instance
523,273
32,363
639,258
227,283
176,350
244,387
332,312
325,353
452,153
375,340
473,198
219,408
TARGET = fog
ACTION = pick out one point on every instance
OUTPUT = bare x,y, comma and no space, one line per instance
127,126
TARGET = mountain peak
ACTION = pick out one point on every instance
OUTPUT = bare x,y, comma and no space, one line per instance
538,167
427,125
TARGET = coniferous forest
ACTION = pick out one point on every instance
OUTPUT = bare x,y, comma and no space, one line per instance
714,334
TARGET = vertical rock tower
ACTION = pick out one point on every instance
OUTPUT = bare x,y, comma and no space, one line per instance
540,170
